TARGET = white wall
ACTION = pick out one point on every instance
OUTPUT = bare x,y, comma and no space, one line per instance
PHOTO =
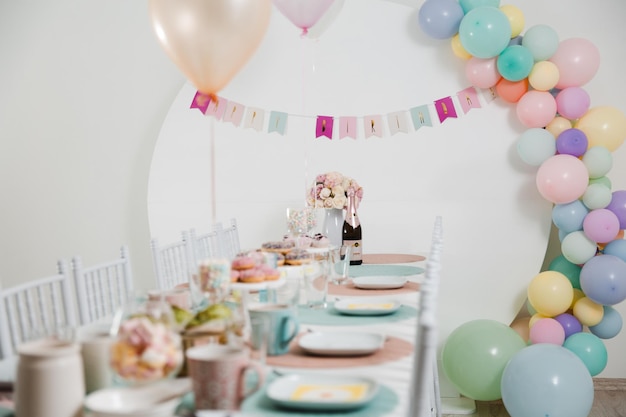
83,95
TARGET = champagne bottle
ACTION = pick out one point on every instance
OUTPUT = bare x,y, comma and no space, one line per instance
352,233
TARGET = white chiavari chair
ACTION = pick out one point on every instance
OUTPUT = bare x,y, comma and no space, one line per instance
103,288
228,238
206,245
173,261
37,308
425,398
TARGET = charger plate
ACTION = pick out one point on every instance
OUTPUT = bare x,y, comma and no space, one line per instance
331,317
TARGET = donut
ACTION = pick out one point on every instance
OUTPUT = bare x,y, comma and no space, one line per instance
281,246
280,259
243,262
297,257
252,275
320,241
271,274
234,275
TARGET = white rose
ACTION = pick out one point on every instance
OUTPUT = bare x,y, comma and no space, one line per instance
339,201
325,193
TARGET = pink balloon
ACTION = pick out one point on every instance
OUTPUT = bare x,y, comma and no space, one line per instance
578,61
303,13
482,73
536,108
601,225
562,179
572,102
547,330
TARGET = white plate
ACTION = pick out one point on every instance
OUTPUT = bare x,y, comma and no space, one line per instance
379,282
258,286
367,307
341,343
322,392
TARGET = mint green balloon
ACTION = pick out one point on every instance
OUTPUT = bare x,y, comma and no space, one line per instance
590,349
485,32
515,63
468,5
597,196
598,161
542,41
602,180
475,354
535,146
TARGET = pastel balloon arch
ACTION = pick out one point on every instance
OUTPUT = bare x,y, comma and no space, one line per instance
544,365
538,366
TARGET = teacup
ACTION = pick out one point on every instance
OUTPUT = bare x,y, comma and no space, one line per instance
218,376
282,327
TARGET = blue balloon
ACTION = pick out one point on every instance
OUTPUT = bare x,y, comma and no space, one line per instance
603,279
617,248
610,325
569,217
516,40
440,19
590,349
515,63
485,32
545,379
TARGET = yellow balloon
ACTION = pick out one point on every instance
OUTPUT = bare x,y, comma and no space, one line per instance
588,312
578,294
558,125
550,293
458,48
604,126
534,318
543,76
516,18
209,41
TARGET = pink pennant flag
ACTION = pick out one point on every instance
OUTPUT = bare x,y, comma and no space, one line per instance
468,99
373,126
347,127
254,118
397,122
200,101
217,107
445,108
233,113
324,127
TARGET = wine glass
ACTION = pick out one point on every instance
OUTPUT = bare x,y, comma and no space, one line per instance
300,221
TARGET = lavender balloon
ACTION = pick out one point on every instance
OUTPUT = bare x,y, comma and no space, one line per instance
572,142
618,206
440,19
603,279
569,323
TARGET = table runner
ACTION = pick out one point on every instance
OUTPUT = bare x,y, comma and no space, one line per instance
393,349
330,316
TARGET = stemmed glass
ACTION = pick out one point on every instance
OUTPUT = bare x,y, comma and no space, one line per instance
300,221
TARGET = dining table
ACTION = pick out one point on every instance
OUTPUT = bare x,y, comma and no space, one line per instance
390,366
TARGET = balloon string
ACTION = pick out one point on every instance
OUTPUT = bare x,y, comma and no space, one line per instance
304,95
212,174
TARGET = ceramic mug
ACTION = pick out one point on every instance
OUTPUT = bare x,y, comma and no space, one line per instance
282,327
218,376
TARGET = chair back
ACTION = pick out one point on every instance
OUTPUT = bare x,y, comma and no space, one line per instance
41,307
207,245
173,262
103,288
228,239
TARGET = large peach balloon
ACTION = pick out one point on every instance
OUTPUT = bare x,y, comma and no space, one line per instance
210,41
604,126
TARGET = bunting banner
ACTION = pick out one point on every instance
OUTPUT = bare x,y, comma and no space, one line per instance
328,126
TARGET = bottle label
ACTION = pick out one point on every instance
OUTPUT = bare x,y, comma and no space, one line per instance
357,250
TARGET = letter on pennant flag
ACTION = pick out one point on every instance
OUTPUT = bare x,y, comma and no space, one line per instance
234,113
445,108
200,101
468,99
324,127
420,116
347,127
217,107
490,94
278,122
373,126
397,122
254,118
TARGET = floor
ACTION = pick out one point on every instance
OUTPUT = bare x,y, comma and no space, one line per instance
609,401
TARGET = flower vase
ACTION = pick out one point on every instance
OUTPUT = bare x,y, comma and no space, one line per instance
332,226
